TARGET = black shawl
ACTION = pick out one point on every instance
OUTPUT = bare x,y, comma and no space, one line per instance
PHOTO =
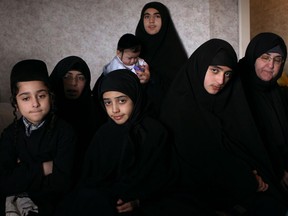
127,161
164,52
265,100
81,113
214,136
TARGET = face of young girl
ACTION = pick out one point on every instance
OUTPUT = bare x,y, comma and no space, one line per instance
33,100
118,106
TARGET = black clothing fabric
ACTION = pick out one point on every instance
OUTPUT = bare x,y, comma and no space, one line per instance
265,99
129,161
215,137
54,141
82,113
164,53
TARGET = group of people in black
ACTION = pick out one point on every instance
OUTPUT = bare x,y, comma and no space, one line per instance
199,136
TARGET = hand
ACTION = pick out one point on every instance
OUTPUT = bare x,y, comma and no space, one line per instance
284,180
262,185
126,207
144,76
47,167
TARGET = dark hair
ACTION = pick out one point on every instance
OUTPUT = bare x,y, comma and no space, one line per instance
28,70
129,41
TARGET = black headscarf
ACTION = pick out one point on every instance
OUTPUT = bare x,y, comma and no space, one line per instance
81,113
214,136
76,111
164,52
265,99
124,157
122,81
60,70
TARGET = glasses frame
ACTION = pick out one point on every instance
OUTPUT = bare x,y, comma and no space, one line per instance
266,58
77,78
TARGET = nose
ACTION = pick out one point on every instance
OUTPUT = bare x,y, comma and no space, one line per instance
35,102
74,81
151,19
115,108
220,78
271,63
134,60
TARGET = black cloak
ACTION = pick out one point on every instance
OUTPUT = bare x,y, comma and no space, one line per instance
164,53
214,136
127,161
81,113
265,100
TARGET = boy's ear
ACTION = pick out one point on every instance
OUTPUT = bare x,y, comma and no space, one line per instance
118,53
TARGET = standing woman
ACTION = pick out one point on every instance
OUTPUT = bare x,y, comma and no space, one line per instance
162,48
221,158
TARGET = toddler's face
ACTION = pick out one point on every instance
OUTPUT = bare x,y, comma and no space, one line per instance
128,57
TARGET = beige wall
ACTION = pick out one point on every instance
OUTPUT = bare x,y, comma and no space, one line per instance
53,29
270,16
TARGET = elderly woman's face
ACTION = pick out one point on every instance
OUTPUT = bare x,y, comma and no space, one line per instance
267,66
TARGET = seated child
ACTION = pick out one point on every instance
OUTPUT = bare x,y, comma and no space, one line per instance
126,165
36,150
127,57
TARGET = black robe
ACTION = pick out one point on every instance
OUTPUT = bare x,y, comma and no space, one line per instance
215,137
82,113
128,161
265,99
164,53
53,141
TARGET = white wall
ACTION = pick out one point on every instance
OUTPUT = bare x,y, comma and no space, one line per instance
53,29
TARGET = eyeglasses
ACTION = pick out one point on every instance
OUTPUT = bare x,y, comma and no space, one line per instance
278,60
79,78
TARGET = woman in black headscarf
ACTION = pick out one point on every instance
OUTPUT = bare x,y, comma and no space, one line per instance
162,49
75,104
127,163
260,69
221,159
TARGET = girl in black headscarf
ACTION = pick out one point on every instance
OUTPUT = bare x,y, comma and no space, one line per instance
221,159
127,163
259,74
161,48
75,106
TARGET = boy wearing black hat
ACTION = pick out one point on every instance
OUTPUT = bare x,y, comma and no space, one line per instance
36,150
127,57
